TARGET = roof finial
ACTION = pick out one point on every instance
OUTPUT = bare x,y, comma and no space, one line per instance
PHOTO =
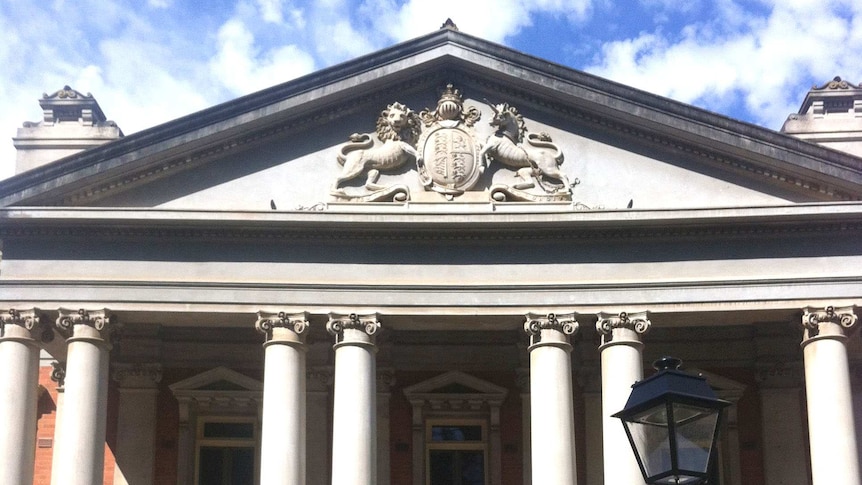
448,24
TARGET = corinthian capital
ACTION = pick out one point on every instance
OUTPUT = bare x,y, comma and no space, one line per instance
814,319
100,320
550,329
338,323
638,322
608,324
269,324
562,322
24,324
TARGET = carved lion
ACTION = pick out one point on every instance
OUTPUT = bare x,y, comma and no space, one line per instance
398,129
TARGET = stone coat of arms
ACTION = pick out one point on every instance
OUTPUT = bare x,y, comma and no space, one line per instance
449,158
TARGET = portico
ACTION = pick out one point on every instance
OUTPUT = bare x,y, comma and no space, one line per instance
377,277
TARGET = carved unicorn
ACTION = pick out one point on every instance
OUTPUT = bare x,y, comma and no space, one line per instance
536,158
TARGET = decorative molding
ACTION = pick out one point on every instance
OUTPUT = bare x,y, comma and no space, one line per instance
137,375
319,379
562,322
197,391
779,375
835,84
338,323
813,318
711,229
385,380
58,373
30,320
100,320
637,322
475,394
26,319
268,321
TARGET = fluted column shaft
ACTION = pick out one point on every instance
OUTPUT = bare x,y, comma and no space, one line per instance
354,423
834,459
622,366
552,425
86,398
283,430
19,384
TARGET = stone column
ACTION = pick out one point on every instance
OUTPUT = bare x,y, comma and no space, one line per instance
135,451
19,384
622,366
834,459
58,375
86,401
552,426
318,392
282,440
354,422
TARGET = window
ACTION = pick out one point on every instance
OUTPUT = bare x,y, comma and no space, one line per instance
225,451
456,452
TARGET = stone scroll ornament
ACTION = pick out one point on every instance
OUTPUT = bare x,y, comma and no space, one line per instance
534,157
449,161
389,148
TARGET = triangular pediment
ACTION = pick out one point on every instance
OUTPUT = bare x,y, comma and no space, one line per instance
217,379
277,149
454,383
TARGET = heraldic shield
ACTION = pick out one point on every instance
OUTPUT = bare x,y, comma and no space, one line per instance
448,153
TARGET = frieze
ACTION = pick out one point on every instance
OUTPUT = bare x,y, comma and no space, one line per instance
318,233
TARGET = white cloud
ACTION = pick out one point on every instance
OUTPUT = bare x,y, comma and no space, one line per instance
241,67
271,11
493,20
760,59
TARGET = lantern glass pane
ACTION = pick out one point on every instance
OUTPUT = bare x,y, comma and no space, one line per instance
650,435
695,430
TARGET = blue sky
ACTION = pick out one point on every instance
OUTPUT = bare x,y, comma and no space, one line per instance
150,61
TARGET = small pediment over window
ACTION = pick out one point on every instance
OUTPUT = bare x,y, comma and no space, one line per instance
456,386
218,389
218,379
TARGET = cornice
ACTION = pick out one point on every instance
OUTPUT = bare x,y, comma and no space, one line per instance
728,223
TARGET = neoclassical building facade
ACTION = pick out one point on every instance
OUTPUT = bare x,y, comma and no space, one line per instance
442,263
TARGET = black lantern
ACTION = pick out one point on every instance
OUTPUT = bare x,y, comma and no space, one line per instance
672,420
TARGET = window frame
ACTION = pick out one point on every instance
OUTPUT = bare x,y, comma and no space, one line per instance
201,441
481,445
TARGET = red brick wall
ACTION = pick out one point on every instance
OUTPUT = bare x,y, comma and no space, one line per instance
45,430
